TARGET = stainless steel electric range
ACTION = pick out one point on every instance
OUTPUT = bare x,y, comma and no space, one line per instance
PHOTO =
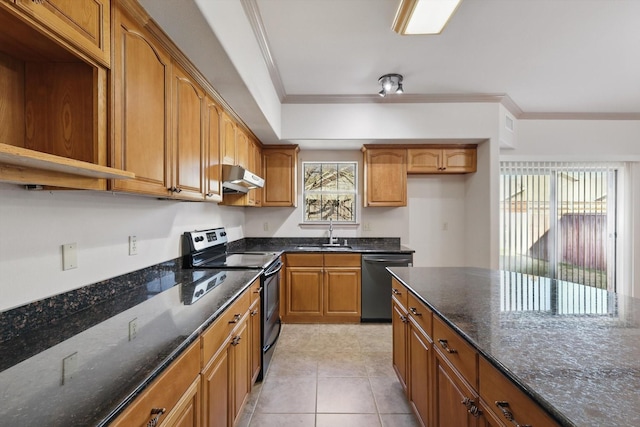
207,249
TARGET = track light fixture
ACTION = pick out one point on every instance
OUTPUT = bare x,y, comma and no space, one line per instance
391,83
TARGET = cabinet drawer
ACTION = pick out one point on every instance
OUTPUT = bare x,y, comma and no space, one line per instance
304,260
420,313
454,348
496,388
399,292
342,260
255,291
219,331
165,391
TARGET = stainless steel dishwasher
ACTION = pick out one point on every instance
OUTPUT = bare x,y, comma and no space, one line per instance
376,284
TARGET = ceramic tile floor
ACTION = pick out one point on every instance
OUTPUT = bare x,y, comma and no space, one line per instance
330,376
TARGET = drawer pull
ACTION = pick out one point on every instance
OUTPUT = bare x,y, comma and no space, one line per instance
507,414
156,412
236,318
414,311
445,346
257,291
395,291
471,407
236,340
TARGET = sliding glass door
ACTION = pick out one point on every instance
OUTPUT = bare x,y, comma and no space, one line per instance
558,220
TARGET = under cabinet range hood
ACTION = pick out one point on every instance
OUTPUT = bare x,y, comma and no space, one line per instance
236,179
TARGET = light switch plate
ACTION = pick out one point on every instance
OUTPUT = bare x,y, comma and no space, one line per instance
69,256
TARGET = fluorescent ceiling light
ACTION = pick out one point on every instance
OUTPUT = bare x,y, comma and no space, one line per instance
423,16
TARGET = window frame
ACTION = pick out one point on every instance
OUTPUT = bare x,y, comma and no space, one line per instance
353,163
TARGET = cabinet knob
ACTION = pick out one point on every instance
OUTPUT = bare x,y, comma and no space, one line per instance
395,291
445,345
507,414
404,319
236,340
209,194
175,189
254,312
156,413
236,318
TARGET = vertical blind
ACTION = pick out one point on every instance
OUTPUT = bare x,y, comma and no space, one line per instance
558,220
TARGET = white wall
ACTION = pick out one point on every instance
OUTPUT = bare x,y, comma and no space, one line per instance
34,225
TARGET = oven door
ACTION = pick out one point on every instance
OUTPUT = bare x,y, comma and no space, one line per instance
271,323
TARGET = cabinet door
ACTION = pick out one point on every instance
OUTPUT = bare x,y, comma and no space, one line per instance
385,173
342,292
257,159
419,378
141,80
454,401
83,23
215,391
460,160
242,149
187,411
256,343
212,170
280,171
188,159
304,291
240,367
399,326
424,160
228,140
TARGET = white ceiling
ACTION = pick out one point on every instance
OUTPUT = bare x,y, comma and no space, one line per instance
547,56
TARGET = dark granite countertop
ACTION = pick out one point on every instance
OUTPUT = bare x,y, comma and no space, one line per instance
307,244
110,370
574,349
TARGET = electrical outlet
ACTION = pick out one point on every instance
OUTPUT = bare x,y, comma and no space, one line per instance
69,256
69,367
366,226
133,329
133,245
265,226
445,226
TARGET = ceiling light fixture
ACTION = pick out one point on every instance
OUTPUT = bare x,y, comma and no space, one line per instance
423,16
391,83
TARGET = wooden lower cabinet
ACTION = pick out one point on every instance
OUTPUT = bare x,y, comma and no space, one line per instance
215,391
175,391
256,345
453,399
419,365
399,326
322,288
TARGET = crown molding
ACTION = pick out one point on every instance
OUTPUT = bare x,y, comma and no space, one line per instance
252,12
579,116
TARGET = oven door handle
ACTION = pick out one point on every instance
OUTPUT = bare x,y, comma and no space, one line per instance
271,344
272,272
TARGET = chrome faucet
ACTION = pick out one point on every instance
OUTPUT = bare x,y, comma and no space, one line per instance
332,240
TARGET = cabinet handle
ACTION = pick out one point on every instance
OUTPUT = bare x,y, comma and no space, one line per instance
395,291
257,291
156,412
414,311
445,346
236,318
175,189
471,407
209,194
507,414
254,312
404,319
236,340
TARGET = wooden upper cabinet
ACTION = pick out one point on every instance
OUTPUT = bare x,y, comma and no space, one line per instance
279,165
227,140
188,133
442,160
141,76
256,153
385,176
84,24
242,149
213,169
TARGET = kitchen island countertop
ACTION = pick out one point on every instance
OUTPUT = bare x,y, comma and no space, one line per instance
572,348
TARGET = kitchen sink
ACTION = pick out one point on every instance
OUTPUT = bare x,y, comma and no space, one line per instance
325,247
